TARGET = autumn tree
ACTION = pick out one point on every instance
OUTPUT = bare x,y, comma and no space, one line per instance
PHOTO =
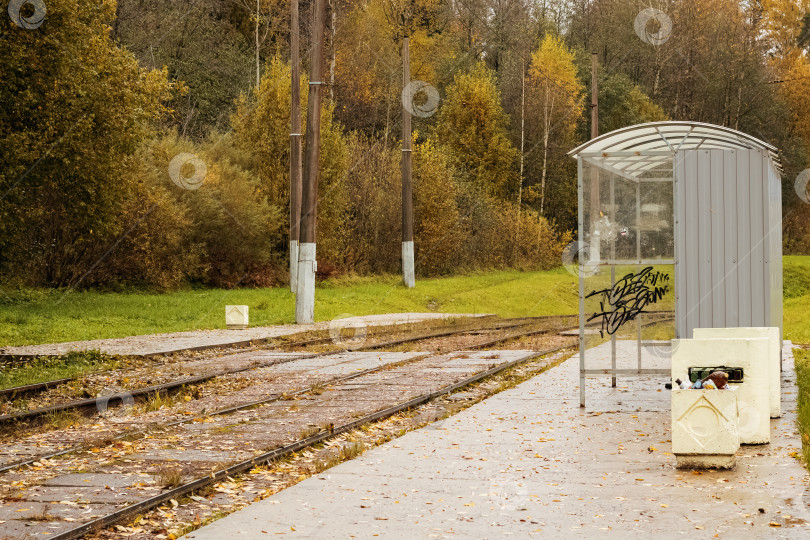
622,103
76,108
557,94
261,133
785,25
472,130
205,44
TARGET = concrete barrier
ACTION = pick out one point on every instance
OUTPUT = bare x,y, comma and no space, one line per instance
774,358
753,394
704,429
236,317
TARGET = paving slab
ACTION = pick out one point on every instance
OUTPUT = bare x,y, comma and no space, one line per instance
87,494
529,462
24,510
170,455
159,344
94,480
17,529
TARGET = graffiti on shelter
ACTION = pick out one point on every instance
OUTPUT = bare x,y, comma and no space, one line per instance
627,299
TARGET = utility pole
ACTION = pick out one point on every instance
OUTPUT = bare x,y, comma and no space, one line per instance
307,265
295,143
407,189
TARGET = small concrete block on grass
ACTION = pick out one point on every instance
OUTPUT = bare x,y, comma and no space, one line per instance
236,317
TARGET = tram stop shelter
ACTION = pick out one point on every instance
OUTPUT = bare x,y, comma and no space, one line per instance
680,227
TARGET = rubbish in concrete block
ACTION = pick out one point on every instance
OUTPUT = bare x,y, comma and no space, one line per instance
678,384
718,379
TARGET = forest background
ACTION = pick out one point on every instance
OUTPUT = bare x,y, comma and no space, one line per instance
100,99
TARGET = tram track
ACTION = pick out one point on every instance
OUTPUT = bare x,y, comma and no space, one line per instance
152,390
287,450
285,394
282,344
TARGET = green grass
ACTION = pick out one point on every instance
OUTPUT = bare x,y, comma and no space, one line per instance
796,313
802,360
50,369
42,316
48,316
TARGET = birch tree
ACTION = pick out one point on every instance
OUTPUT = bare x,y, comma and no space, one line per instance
558,94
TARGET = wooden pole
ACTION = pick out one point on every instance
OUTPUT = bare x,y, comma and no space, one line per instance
305,299
408,275
295,143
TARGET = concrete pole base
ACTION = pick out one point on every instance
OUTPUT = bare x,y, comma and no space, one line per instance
294,266
408,275
305,298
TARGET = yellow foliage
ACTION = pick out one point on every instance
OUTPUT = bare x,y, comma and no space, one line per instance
783,21
554,79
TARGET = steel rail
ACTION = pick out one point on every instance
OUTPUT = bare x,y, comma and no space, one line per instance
252,344
248,344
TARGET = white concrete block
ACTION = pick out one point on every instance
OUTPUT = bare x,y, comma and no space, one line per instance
704,428
753,395
236,317
774,358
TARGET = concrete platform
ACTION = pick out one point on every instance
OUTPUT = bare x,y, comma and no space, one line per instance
157,344
529,462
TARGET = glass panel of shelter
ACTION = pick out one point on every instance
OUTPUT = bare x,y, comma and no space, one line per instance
626,264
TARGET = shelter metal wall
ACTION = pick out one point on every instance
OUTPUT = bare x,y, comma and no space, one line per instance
728,266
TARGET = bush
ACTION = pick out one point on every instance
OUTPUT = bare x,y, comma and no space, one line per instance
802,362
438,229
224,233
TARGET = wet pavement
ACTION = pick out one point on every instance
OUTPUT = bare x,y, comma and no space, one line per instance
529,462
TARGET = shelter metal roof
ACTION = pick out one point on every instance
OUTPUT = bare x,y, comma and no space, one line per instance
635,150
